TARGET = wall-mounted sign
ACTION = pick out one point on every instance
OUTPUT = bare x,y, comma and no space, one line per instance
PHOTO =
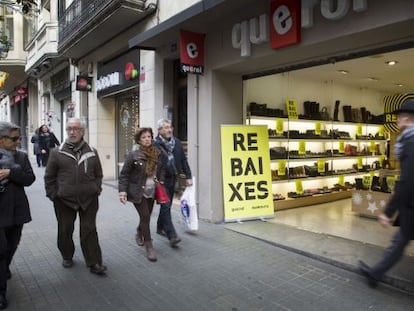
282,25
84,83
107,81
192,52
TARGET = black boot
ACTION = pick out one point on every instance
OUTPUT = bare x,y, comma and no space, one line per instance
3,302
336,111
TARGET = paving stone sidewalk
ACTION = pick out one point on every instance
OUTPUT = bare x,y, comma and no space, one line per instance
214,269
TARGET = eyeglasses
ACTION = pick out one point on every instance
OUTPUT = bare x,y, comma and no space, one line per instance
12,138
73,129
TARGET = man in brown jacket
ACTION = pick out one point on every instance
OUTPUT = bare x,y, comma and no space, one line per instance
73,181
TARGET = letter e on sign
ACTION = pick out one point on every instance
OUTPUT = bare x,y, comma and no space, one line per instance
285,23
192,51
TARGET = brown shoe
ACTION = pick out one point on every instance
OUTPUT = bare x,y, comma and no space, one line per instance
139,239
98,269
150,251
67,263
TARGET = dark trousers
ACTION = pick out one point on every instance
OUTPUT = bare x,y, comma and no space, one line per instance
45,158
391,256
164,221
9,240
144,210
39,159
66,217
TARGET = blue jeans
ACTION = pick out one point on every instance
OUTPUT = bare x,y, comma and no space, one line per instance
164,221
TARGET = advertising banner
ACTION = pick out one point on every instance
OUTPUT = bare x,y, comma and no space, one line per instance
247,183
392,103
192,52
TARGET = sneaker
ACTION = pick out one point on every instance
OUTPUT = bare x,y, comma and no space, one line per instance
174,241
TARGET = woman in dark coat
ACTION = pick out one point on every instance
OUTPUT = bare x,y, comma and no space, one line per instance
47,141
36,148
142,168
14,205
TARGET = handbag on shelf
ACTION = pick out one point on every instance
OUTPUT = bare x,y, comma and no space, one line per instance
160,194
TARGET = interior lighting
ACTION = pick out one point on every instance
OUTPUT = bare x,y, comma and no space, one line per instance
373,79
391,62
399,84
344,72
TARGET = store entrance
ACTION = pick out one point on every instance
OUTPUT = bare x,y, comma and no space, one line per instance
337,147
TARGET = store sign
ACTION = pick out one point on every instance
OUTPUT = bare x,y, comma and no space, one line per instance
192,52
282,27
247,183
392,103
107,81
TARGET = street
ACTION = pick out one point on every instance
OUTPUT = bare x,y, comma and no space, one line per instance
214,269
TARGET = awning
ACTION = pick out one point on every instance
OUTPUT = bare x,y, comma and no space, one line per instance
197,18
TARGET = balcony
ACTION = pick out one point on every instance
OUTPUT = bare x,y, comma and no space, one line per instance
86,25
42,47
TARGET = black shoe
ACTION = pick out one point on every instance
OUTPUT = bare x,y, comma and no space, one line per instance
98,269
67,263
161,232
366,271
8,274
3,302
174,241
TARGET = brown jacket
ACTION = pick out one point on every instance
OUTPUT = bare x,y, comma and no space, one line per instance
75,179
132,178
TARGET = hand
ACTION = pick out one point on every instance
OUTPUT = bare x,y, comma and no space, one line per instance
188,182
384,220
123,197
43,151
4,173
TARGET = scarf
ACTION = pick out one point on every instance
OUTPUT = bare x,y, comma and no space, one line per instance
169,146
152,154
76,147
399,145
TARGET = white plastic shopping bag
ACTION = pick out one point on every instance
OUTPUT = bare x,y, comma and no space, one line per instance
189,208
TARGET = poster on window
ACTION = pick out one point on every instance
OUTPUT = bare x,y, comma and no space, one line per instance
247,183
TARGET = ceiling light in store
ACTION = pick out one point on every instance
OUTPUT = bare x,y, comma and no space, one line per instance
399,84
373,79
391,62
344,72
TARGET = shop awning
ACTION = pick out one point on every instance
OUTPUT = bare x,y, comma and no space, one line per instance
196,18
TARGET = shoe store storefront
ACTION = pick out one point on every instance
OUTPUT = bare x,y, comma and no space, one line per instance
320,76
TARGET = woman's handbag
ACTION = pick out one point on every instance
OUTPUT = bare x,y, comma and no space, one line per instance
160,194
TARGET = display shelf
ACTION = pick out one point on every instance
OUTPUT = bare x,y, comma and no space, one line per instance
311,200
343,145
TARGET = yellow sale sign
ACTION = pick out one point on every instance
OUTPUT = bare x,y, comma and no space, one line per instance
247,181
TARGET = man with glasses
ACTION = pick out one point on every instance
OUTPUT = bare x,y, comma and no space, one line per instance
176,164
73,181
14,205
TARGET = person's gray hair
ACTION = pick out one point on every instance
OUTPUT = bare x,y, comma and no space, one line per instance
80,120
7,127
162,122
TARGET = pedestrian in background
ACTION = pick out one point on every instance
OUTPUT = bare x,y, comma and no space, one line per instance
142,168
73,181
176,163
36,148
47,141
14,205
401,201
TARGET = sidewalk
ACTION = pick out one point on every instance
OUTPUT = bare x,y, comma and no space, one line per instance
215,269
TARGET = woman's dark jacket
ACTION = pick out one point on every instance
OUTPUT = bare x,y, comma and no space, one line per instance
402,199
48,141
132,178
35,142
75,178
14,205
